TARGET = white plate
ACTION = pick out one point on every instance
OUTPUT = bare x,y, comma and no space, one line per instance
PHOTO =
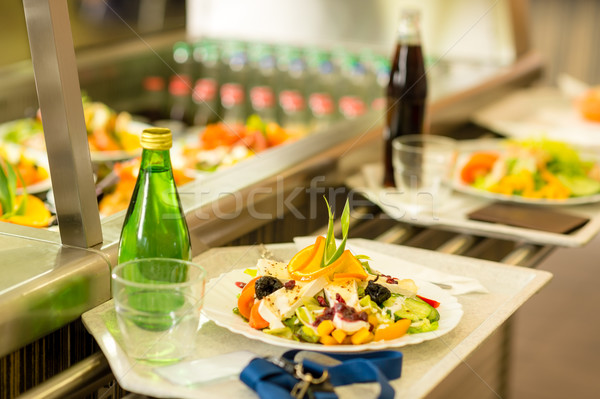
541,111
221,298
496,146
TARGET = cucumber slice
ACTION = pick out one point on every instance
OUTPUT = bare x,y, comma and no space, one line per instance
434,315
580,186
414,309
423,326
308,335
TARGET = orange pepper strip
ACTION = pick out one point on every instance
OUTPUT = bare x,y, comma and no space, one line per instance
345,264
308,255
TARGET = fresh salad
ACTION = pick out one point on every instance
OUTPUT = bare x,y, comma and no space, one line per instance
327,295
116,196
221,145
107,130
20,208
28,168
533,169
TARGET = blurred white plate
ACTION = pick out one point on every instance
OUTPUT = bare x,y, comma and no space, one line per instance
541,111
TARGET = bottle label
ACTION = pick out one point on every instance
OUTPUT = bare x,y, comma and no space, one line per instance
378,104
232,94
180,85
204,90
352,107
262,97
154,83
321,104
291,101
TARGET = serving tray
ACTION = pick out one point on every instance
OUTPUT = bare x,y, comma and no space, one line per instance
452,215
425,365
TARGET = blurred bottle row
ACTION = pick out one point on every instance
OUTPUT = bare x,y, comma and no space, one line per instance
302,89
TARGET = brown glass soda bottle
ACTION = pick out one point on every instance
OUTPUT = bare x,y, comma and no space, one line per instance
407,89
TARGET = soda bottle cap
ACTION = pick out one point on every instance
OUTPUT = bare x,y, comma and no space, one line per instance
408,28
157,138
181,52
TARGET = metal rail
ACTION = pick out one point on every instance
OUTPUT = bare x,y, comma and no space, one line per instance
77,381
59,96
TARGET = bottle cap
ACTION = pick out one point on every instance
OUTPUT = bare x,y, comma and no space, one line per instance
181,52
409,26
157,138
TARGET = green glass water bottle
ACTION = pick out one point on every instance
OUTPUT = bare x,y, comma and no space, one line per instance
155,225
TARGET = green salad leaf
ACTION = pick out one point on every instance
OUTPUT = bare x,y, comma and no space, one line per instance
8,190
331,253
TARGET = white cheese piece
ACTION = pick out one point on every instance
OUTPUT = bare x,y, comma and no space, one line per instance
282,301
349,327
272,268
312,288
404,287
266,312
285,301
347,290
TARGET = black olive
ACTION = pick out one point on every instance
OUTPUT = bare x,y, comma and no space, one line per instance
266,285
377,292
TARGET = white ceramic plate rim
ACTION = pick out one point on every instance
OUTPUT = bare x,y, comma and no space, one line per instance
221,298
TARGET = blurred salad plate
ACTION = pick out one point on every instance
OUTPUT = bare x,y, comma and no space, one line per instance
31,167
529,171
112,136
221,145
18,206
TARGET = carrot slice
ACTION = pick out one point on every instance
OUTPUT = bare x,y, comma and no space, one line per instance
256,321
479,164
246,299
392,331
